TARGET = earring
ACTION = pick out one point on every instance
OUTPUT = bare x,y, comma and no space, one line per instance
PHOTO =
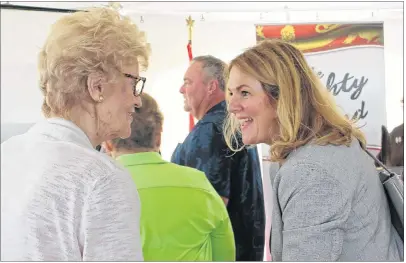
101,98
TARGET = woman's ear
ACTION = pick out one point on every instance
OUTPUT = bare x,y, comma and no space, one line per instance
95,86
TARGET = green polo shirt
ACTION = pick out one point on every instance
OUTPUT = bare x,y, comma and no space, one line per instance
182,216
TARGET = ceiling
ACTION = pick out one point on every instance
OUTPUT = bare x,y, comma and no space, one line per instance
181,8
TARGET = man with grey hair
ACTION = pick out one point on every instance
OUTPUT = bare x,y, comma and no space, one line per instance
235,176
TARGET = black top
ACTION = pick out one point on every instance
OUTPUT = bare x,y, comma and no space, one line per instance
236,176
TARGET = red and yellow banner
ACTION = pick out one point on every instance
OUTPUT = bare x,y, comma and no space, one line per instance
321,37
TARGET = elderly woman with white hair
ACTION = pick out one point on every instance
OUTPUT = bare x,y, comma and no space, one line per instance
61,200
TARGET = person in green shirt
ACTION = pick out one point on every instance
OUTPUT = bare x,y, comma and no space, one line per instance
182,216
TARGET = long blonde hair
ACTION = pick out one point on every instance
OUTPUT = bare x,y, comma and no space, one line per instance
306,110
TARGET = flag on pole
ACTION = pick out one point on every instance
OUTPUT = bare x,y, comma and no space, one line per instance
190,23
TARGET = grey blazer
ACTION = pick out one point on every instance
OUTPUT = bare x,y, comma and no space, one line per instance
329,205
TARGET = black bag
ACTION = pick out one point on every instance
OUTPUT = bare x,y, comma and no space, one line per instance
393,187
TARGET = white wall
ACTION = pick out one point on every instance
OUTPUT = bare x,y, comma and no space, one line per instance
170,59
23,32
394,59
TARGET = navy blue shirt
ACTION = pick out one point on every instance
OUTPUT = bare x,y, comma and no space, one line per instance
236,176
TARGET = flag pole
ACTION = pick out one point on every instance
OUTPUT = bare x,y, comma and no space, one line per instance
189,23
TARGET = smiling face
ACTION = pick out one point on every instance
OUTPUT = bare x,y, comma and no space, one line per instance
251,107
119,104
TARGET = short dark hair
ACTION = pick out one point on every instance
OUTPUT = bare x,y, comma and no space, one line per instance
147,123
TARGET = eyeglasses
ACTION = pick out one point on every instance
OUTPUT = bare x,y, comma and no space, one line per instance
138,83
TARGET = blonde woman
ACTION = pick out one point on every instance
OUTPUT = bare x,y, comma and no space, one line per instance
61,200
329,204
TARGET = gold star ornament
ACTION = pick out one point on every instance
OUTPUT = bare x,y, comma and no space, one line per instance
189,23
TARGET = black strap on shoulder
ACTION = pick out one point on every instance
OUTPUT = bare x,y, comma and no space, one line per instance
391,174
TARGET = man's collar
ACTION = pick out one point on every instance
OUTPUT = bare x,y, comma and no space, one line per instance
219,106
140,158
215,114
